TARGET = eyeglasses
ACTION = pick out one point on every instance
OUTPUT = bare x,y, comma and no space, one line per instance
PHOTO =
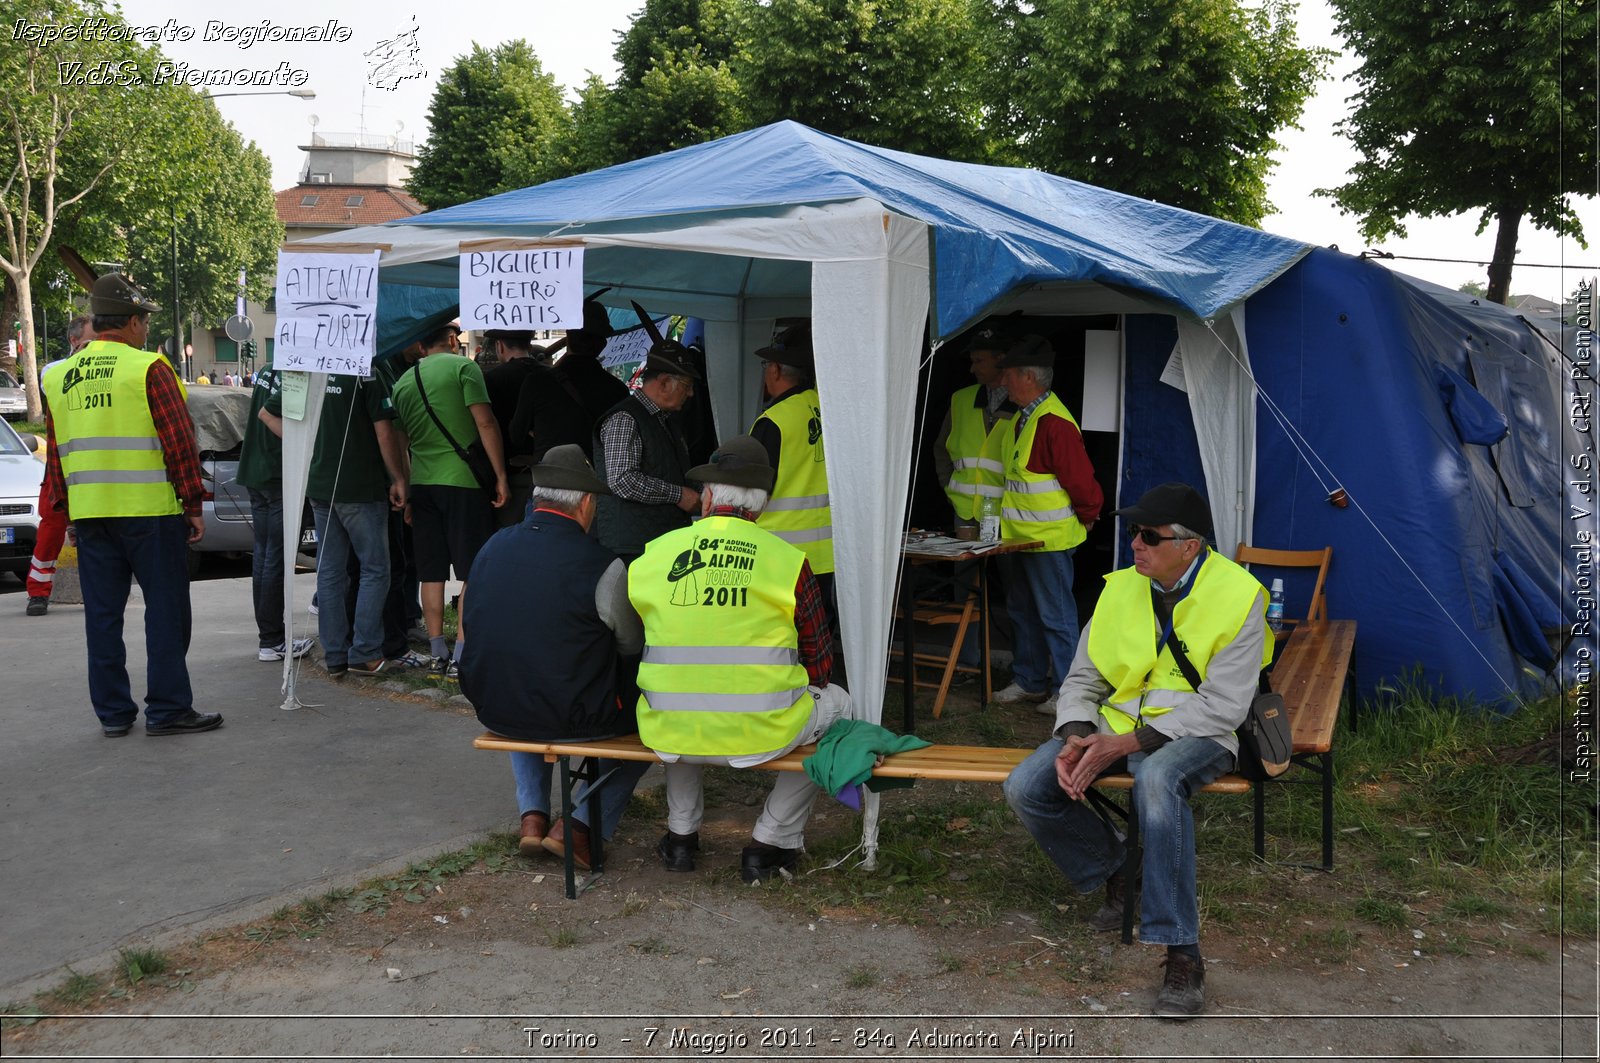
1150,536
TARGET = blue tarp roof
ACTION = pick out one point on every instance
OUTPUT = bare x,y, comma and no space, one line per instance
995,229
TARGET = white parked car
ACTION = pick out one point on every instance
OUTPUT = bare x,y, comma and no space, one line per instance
20,476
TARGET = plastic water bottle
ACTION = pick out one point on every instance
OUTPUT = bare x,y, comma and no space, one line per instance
1275,606
989,519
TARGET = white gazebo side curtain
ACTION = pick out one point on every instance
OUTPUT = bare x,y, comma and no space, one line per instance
299,440
1222,401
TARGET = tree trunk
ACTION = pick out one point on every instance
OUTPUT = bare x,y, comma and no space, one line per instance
28,357
1505,253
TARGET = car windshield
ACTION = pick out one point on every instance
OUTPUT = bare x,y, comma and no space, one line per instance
9,442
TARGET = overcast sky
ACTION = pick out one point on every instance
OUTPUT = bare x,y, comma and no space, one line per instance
575,39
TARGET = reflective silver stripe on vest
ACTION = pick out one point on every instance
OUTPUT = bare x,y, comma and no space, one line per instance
1036,516
987,490
117,476
721,655
72,446
1033,487
988,464
809,535
798,502
672,701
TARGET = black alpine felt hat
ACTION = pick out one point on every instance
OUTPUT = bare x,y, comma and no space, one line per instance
1031,349
565,468
1170,503
115,295
791,347
741,461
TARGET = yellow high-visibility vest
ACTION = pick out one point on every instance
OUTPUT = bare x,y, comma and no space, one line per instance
110,451
721,672
1122,637
798,510
977,454
1035,505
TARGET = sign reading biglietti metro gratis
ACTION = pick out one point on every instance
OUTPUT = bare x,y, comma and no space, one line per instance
327,312
507,285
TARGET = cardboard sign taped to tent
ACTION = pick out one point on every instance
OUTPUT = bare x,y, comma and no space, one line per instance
515,284
327,311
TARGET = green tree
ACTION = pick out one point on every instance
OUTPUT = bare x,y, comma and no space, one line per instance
493,125
64,141
1471,105
1179,101
674,88
897,73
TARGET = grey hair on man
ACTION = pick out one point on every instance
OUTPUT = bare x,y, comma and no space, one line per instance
562,499
750,499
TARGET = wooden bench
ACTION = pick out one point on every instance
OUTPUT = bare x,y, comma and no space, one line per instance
1310,675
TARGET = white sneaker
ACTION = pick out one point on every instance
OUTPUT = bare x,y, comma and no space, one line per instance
276,653
1047,707
1013,694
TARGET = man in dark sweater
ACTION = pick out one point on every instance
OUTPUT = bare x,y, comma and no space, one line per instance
554,653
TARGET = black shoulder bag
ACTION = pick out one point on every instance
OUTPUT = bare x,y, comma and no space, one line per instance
475,456
1266,744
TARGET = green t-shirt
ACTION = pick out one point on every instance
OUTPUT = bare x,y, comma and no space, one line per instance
261,453
453,383
347,465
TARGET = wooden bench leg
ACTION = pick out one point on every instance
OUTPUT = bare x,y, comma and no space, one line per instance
1258,796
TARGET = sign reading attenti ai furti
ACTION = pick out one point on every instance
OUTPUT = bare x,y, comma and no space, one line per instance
327,311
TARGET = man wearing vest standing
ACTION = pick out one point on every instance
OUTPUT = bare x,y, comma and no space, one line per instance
736,663
1126,699
641,454
969,455
1051,495
791,429
123,462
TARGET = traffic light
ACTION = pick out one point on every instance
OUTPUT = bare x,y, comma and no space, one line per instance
248,349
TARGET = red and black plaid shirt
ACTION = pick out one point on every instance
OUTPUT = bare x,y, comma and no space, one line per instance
175,429
810,617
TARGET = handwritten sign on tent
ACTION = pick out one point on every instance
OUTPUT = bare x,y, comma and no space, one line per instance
504,286
327,312
628,348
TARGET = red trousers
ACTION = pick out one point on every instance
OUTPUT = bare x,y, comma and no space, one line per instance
47,547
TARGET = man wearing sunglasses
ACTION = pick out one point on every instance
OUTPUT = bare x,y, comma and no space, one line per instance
1126,701
1051,495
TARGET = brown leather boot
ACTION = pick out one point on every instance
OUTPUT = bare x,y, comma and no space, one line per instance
534,827
556,842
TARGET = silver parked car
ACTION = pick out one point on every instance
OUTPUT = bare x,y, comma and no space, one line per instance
13,402
20,476
220,417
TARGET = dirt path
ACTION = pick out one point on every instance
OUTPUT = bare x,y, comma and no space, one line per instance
649,964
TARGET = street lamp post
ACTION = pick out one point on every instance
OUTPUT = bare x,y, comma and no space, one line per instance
304,94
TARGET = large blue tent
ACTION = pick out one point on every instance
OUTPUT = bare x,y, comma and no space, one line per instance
1269,370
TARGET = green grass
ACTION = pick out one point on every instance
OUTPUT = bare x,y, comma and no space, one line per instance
1437,825
135,965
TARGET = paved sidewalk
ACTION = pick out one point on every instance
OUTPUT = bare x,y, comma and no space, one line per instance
108,842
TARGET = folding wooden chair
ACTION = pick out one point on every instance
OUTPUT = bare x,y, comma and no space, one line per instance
1317,559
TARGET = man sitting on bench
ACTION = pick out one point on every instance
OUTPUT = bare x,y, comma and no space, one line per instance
554,647
737,659
1125,698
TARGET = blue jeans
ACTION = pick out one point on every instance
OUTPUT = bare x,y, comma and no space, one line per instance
112,552
1077,841
1044,616
533,774
343,528
266,564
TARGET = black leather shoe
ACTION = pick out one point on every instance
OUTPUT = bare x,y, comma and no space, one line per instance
190,722
760,862
1183,991
677,850
115,730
